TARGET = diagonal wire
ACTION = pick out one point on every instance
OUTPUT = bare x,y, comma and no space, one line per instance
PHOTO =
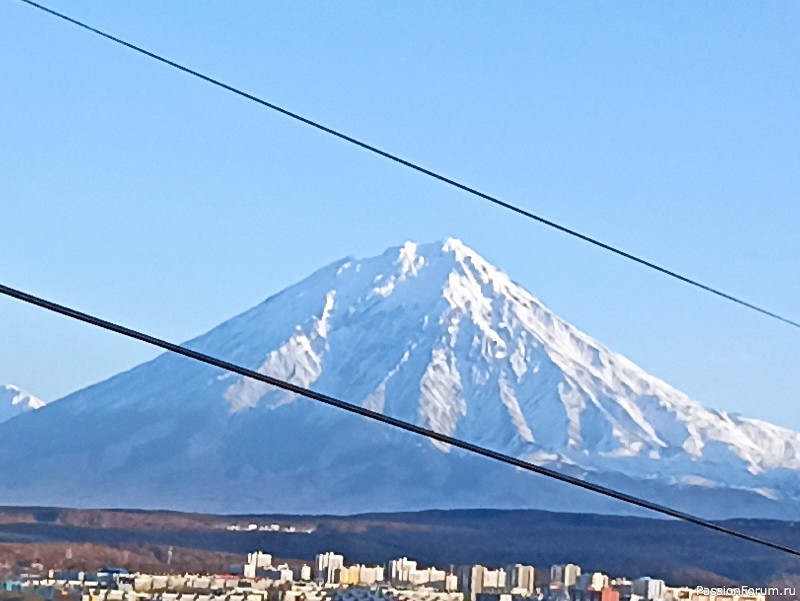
419,168
385,419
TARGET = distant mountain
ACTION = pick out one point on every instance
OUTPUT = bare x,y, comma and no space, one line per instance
433,334
14,402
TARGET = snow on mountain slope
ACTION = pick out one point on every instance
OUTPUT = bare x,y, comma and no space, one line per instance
433,334
14,401
492,364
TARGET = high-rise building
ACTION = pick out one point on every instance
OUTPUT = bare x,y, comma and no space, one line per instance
565,575
283,573
450,583
494,580
648,588
256,561
520,580
471,581
594,581
326,565
347,575
400,570
370,575
405,572
593,586
478,579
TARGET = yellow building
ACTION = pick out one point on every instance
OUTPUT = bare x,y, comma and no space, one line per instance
351,575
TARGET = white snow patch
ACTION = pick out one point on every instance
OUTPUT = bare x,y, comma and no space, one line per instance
440,401
14,402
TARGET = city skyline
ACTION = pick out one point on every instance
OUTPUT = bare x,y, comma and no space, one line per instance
262,577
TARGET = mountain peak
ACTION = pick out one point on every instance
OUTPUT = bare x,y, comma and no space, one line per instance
455,245
446,263
432,334
474,354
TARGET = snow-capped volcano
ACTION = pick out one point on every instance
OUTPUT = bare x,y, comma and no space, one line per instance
14,401
432,334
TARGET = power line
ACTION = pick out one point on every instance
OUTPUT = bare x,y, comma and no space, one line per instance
385,419
419,168
363,411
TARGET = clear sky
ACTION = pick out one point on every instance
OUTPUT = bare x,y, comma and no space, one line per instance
669,129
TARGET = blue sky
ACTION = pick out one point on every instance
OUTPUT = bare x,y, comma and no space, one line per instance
672,130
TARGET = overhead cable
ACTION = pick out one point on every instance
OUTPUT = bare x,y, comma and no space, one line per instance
386,419
424,170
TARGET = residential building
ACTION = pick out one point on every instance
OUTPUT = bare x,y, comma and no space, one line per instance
471,581
282,573
521,580
478,579
347,575
327,565
255,562
450,583
648,588
405,572
400,570
370,574
565,575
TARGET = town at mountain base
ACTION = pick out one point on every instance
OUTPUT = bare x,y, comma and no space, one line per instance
432,334
677,552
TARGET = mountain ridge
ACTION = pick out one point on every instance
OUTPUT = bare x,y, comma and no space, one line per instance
432,334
